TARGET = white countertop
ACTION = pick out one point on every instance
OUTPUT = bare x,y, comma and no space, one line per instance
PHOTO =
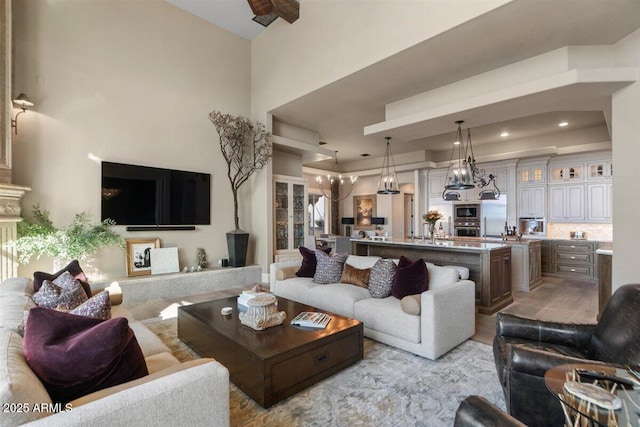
453,244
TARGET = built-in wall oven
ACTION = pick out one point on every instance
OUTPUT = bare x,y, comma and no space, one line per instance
466,229
466,220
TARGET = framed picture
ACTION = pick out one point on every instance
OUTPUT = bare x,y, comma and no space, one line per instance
139,256
364,208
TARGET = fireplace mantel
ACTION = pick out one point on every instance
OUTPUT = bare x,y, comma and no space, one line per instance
10,196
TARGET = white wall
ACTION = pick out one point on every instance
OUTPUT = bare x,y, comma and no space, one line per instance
626,152
125,81
390,207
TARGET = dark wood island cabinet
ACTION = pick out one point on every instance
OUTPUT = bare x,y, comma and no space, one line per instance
489,264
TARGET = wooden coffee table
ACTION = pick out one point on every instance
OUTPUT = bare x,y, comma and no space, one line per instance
275,363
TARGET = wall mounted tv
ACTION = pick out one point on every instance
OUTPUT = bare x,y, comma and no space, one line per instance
142,195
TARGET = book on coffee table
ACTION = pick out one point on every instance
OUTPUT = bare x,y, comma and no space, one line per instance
310,319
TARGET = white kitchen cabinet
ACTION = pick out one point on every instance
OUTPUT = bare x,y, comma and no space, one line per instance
532,201
566,173
600,170
566,203
599,202
290,217
435,183
532,175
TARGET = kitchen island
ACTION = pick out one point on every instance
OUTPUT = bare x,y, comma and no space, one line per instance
489,264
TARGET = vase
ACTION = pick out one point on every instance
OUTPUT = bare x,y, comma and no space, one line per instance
432,228
237,243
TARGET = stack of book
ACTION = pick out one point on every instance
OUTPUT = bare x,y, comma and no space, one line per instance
245,296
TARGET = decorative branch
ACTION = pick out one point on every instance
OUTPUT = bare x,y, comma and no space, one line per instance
245,147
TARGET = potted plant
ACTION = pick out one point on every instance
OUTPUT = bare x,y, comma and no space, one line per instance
246,148
37,236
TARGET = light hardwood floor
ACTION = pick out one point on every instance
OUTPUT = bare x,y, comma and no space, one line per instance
558,300
561,300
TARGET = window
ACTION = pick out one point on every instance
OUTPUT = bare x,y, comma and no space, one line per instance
317,214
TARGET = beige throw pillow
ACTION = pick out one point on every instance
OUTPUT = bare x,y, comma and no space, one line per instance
411,304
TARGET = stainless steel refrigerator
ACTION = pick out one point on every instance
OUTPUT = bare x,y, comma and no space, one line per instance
493,217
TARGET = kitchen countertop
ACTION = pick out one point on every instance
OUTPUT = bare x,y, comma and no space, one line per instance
439,243
605,249
510,241
564,239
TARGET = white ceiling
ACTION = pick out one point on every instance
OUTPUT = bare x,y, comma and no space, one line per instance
522,29
339,112
232,15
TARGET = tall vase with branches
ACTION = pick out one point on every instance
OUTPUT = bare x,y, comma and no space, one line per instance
246,147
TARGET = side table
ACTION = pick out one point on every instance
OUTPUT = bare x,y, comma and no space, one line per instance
578,412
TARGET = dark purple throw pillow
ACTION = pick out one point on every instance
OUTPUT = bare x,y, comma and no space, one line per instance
309,262
73,268
411,278
76,355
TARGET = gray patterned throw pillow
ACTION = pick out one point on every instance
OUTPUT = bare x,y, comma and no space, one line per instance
51,295
381,278
328,268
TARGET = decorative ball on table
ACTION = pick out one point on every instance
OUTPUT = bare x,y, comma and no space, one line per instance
431,218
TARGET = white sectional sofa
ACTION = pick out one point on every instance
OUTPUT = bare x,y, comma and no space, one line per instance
174,393
447,312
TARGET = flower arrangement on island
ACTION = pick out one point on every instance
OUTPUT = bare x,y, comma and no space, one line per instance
432,217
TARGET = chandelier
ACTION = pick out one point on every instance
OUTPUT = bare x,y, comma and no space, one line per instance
388,182
333,178
463,174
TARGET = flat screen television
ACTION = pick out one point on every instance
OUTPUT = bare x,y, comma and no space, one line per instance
142,195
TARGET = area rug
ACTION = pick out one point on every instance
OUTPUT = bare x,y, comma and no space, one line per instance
389,387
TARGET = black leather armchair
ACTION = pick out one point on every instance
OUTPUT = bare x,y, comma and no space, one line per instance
476,411
525,349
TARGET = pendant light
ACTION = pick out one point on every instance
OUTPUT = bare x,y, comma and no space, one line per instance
462,173
335,177
388,183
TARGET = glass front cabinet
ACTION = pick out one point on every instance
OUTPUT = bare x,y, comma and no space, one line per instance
290,217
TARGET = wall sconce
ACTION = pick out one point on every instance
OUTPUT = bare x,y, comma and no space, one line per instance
23,102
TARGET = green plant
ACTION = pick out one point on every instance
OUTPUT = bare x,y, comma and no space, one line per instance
79,240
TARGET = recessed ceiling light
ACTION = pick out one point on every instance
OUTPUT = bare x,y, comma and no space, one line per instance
563,124
322,143
456,142
365,155
504,134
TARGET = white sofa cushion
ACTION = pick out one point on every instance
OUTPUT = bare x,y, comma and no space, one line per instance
385,315
160,361
441,276
362,262
338,298
17,285
12,311
148,341
463,272
296,289
18,384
